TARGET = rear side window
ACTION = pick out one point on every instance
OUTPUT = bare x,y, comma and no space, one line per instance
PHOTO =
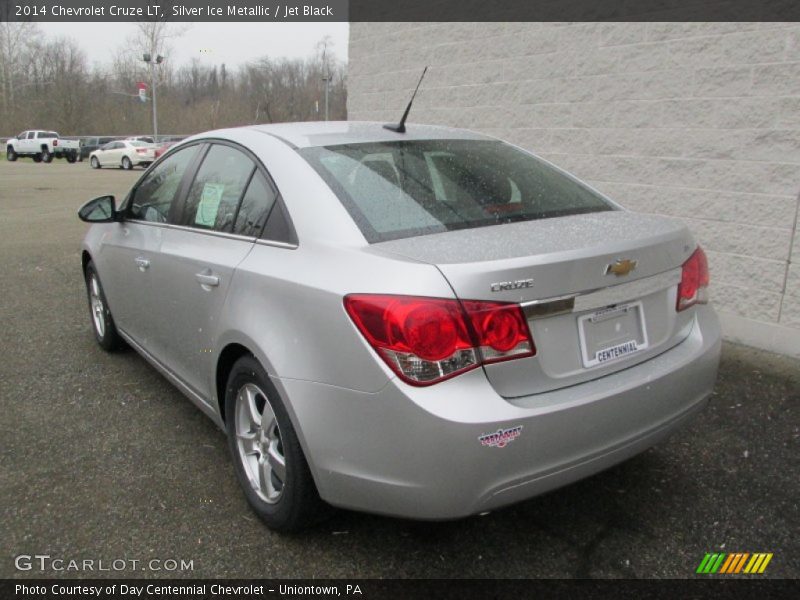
402,189
217,188
279,226
254,209
155,194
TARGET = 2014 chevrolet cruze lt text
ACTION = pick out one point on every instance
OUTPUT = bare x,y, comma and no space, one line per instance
428,323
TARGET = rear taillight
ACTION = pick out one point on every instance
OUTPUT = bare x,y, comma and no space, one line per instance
693,288
55,142
427,340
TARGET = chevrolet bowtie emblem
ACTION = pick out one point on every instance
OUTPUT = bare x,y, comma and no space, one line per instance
621,267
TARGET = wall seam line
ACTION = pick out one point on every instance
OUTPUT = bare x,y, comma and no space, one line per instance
789,261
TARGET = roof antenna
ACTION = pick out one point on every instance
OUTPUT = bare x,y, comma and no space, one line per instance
401,126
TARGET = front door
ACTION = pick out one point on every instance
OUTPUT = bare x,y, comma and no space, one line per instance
134,250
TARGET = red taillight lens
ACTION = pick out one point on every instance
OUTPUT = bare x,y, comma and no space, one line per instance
501,330
427,340
693,288
55,143
430,332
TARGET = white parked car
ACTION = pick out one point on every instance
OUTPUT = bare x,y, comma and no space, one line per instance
124,154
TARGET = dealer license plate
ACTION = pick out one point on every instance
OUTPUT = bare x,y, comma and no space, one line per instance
612,334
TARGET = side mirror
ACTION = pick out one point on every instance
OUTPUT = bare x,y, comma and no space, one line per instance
99,210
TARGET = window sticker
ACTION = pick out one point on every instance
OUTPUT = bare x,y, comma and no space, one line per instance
207,210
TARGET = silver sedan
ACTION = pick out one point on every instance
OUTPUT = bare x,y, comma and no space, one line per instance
428,323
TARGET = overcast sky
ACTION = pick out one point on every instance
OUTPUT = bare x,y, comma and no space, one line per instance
214,43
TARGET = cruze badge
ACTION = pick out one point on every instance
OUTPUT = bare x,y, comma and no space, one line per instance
506,286
500,438
621,267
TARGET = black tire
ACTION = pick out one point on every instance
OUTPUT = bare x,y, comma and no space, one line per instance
95,163
11,156
109,338
298,504
37,158
47,156
71,157
126,163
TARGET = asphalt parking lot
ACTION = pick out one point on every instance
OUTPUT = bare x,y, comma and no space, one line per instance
103,459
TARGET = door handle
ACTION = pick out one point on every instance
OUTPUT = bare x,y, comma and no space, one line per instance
142,263
205,279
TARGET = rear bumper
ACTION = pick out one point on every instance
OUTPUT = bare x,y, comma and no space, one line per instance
416,452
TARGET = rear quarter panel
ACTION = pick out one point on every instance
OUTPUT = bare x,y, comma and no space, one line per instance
287,307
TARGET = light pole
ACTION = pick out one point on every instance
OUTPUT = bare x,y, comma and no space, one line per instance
326,78
146,57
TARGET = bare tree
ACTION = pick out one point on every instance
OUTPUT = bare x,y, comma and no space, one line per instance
15,41
52,86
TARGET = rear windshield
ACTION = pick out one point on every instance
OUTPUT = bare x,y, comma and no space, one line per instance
404,189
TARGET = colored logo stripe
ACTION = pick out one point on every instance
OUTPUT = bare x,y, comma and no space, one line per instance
711,563
734,562
758,563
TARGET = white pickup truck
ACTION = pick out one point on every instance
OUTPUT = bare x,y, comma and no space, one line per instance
42,145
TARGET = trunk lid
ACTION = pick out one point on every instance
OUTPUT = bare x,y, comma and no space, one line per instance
598,289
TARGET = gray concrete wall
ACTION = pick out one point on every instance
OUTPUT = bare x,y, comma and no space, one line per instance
699,121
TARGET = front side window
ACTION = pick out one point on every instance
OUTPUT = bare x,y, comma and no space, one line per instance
214,195
403,189
154,196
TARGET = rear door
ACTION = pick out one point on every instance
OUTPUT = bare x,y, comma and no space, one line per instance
108,154
29,142
213,231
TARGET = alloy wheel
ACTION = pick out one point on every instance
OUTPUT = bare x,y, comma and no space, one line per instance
259,445
98,307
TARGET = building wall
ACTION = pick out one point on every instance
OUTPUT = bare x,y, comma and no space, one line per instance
699,121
